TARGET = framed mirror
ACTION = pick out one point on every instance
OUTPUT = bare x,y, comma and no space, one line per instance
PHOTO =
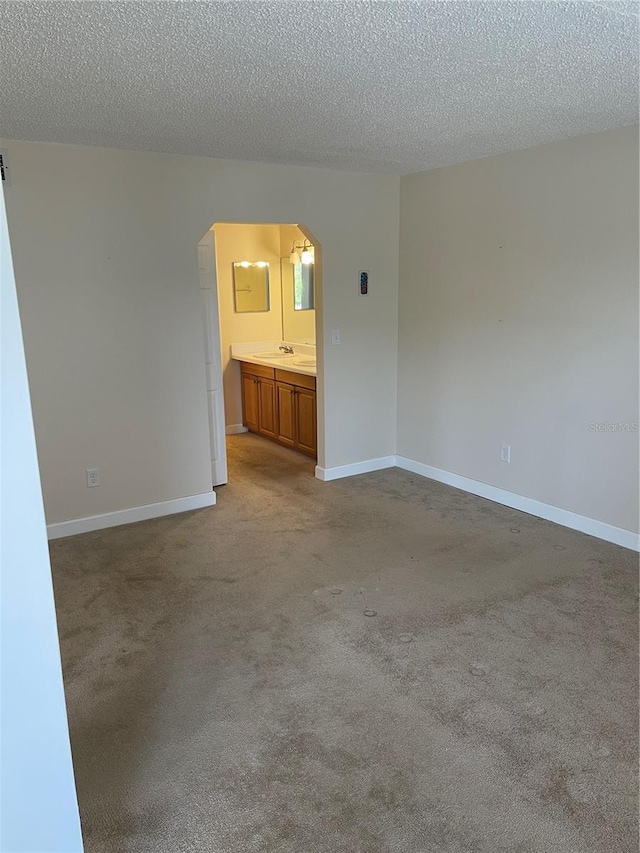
251,286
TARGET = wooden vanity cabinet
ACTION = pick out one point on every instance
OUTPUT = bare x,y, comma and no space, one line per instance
280,405
268,419
305,414
259,412
286,396
250,415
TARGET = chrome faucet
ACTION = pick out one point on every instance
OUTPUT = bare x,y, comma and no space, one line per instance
287,349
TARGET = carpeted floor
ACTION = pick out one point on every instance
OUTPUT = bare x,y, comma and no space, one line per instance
376,665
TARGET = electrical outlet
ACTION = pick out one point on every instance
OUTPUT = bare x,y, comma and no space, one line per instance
505,453
93,477
335,338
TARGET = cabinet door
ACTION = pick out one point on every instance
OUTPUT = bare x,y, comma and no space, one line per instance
306,421
286,418
250,416
267,407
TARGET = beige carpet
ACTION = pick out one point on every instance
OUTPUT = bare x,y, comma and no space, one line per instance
373,665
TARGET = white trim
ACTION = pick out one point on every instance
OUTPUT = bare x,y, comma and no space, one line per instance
591,526
340,471
127,516
235,429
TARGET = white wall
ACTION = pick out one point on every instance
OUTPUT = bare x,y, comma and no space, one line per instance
528,344
245,243
518,322
38,808
106,268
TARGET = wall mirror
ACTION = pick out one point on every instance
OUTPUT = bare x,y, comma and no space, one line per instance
303,287
251,286
298,312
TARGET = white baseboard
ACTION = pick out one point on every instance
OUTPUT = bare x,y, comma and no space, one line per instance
340,471
234,429
127,516
599,529
591,526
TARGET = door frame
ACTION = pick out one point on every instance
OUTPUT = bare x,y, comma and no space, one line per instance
212,352
217,436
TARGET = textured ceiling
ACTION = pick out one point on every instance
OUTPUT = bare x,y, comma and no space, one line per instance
371,86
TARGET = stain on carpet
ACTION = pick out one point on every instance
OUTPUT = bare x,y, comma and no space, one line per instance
371,665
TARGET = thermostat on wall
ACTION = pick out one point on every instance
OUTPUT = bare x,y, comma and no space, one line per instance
5,174
363,283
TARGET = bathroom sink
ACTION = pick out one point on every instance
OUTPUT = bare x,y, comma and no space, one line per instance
305,361
274,354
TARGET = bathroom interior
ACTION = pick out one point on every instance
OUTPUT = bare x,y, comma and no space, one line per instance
266,300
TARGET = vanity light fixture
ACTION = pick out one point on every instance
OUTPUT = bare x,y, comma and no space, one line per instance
302,254
246,264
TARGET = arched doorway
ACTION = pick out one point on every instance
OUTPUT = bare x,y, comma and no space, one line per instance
231,324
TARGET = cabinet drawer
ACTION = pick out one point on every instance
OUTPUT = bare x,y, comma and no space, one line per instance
257,370
299,379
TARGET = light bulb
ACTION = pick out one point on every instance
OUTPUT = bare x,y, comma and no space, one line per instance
245,264
262,264
306,257
294,257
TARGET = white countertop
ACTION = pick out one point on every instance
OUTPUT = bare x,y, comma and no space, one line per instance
250,353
